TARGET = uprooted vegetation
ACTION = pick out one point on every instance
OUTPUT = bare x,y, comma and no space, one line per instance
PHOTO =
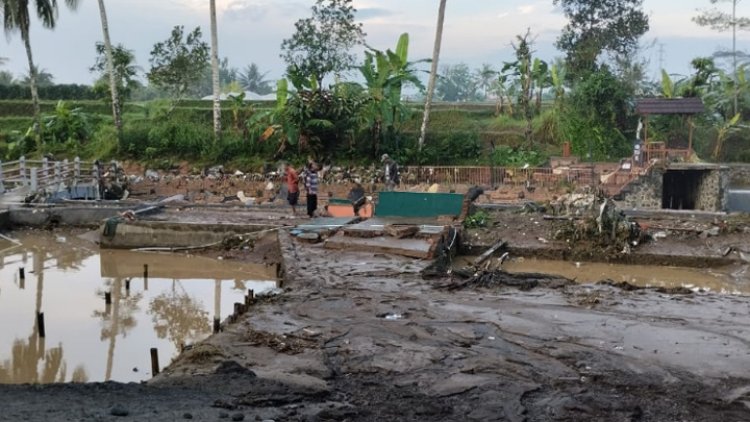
600,231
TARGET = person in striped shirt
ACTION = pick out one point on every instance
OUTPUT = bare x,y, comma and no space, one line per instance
311,185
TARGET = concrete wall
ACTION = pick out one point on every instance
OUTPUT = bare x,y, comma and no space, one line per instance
62,216
712,193
739,176
646,192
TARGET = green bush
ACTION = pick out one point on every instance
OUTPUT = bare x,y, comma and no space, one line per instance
177,138
103,144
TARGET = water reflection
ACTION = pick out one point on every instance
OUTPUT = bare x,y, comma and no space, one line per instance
178,316
67,279
713,280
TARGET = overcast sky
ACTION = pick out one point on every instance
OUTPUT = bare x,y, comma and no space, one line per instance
476,31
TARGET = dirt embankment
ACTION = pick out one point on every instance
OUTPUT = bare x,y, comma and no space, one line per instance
364,338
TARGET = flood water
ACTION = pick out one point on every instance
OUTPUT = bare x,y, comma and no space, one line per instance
723,280
66,279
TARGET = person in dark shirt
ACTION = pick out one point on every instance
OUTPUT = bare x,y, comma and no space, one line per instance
357,197
311,185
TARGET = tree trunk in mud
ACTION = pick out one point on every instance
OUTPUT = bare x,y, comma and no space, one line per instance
116,115
433,74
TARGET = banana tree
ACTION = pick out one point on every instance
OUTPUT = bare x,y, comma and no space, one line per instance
729,126
385,74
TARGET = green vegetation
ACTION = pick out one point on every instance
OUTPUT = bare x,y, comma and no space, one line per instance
513,113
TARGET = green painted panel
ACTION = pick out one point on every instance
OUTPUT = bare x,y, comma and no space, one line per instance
416,204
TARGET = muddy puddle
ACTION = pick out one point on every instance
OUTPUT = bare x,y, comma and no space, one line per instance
67,279
723,280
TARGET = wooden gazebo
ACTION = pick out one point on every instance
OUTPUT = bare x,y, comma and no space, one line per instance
681,106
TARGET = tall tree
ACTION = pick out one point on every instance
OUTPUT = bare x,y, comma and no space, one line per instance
322,43
124,68
599,26
485,77
433,74
43,78
215,72
16,18
178,63
527,72
722,21
111,70
6,78
457,83
252,79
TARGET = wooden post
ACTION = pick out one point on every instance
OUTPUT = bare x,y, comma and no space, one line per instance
145,272
22,273
690,136
127,284
154,361
107,298
40,324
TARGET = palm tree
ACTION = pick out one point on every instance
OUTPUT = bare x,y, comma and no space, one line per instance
111,70
215,72
486,75
16,18
253,80
433,74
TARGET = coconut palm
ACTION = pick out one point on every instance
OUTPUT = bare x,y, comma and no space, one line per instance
433,74
16,18
111,70
486,76
252,79
215,72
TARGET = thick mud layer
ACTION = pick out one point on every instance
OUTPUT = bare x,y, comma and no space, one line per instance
364,338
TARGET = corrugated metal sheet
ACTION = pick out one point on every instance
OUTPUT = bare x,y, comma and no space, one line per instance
669,106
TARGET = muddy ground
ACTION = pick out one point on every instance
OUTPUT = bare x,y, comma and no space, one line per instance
364,338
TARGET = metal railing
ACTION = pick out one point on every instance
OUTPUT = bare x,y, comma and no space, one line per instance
45,175
494,176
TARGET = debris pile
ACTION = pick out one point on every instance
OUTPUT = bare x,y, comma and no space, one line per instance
597,230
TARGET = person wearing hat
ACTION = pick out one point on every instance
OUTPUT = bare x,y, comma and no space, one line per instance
390,172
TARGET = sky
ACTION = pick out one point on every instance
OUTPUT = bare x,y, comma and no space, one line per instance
251,31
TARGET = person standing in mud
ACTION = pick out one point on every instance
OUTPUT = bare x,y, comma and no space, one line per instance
292,183
357,196
390,172
311,186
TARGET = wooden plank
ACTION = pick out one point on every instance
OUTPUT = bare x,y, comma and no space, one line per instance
488,253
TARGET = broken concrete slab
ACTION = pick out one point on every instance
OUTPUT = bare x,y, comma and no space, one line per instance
414,248
376,226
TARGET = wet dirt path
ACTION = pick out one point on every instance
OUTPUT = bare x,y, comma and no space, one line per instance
362,337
